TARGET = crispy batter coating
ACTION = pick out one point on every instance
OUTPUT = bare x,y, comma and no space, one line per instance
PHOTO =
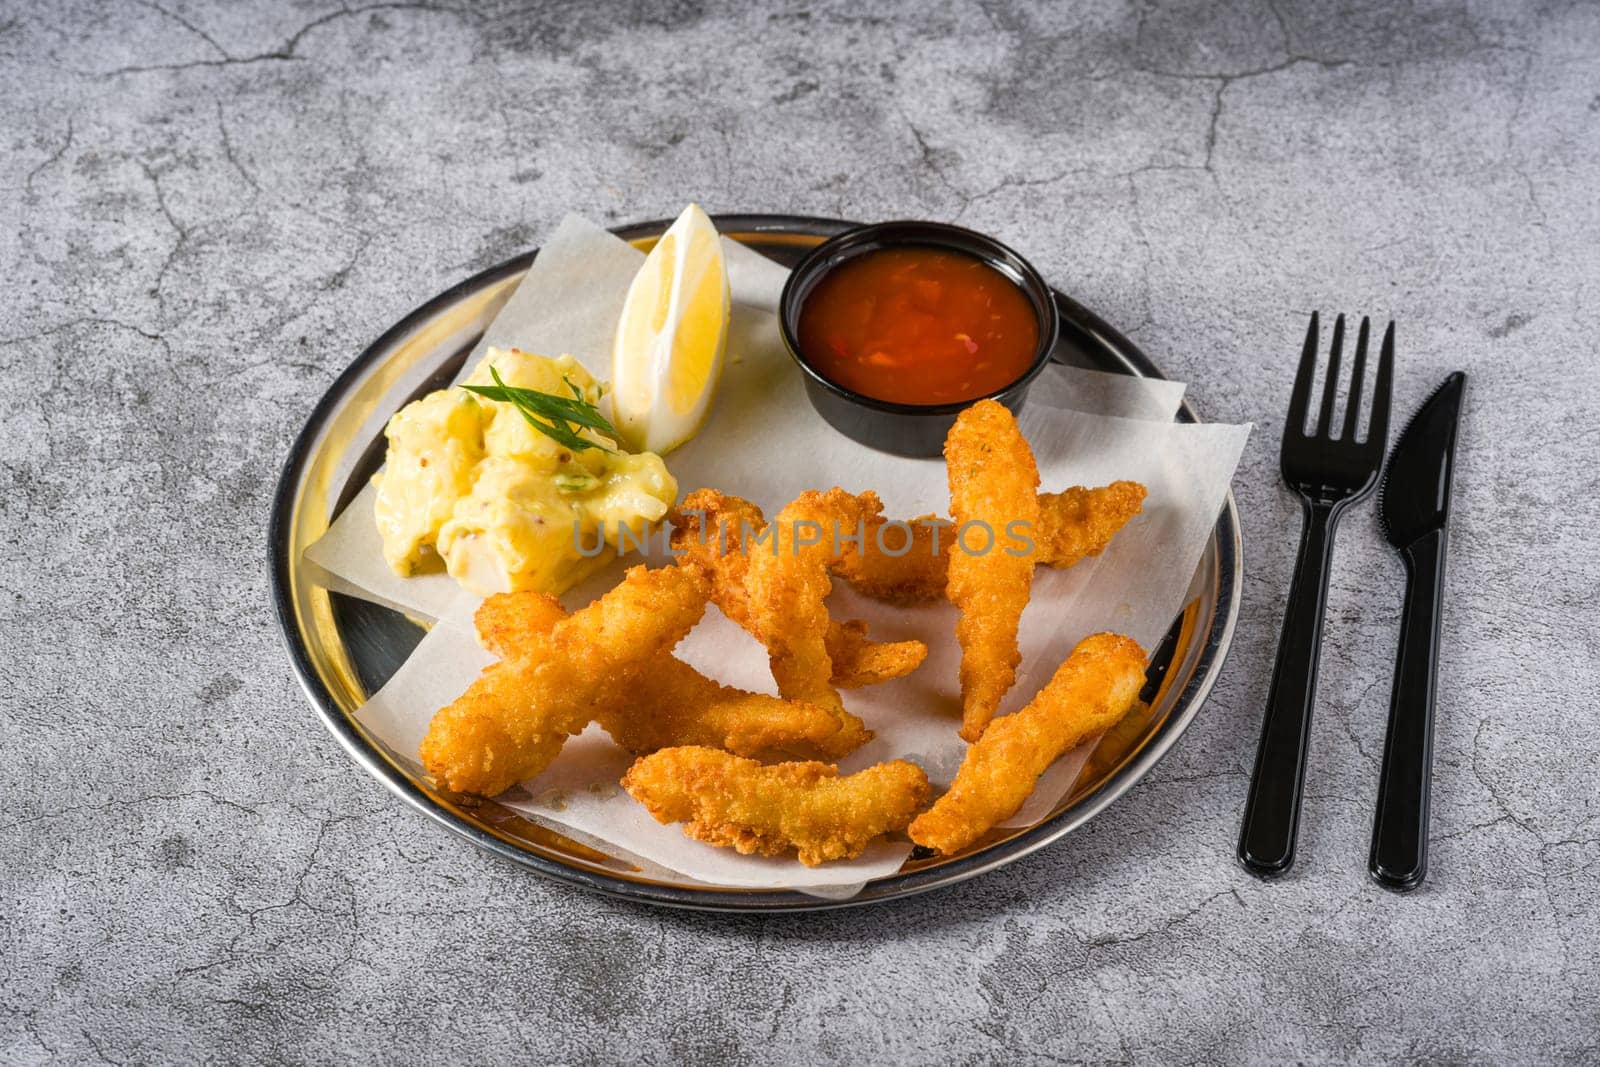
787,587
859,662
709,530
494,735
880,569
1073,524
674,705
512,720
994,482
708,533
1079,522
775,587
510,624
670,703
1090,692
739,803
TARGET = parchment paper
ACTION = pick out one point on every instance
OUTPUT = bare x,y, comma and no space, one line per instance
764,442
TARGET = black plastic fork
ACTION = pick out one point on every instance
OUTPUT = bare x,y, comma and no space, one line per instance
1330,471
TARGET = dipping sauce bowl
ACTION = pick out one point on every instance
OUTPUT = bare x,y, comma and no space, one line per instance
899,326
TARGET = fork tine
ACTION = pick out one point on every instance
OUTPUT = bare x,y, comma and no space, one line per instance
1330,384
1301,396
1358,375
1378,433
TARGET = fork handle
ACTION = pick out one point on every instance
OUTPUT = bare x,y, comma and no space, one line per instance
1272,811
1399,858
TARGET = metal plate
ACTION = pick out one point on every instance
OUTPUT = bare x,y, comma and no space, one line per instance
344,649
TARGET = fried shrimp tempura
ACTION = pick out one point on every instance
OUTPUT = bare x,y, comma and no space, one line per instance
880,569
775,588
512,721
670,703
709,532
509,624
994,483
677,705
1073,524
858,662
786,591
1076,523
1097,685
739,803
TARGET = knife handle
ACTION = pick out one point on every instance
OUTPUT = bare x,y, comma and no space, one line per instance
1272,811
1399,858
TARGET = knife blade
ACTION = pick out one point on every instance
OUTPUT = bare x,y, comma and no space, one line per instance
1414,499
1414,511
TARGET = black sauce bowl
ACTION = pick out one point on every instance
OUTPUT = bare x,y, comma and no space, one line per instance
886,425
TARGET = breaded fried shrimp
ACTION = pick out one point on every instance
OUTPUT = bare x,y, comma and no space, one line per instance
512,721
900,563
858,662
1073,524
787,589
1078,522
1096,686
741,804
710,530
994,483
670,703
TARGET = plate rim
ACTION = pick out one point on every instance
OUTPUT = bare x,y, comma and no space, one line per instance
1214,650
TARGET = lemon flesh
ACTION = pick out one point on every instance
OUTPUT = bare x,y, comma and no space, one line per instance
671,338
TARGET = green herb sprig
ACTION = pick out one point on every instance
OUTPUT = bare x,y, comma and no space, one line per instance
552,415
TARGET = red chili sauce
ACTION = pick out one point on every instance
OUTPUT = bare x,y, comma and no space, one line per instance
918,325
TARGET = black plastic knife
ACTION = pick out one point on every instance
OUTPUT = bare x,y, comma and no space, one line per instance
1414,508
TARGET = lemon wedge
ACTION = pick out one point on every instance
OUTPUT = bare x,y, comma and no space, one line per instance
669,346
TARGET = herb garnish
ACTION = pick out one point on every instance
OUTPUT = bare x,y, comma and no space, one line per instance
554,416
575,483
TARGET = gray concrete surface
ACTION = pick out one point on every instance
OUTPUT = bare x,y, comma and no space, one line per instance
208,210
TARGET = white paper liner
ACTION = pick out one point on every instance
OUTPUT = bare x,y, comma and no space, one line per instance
766,443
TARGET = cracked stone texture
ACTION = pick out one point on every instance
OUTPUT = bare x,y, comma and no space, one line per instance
208,210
